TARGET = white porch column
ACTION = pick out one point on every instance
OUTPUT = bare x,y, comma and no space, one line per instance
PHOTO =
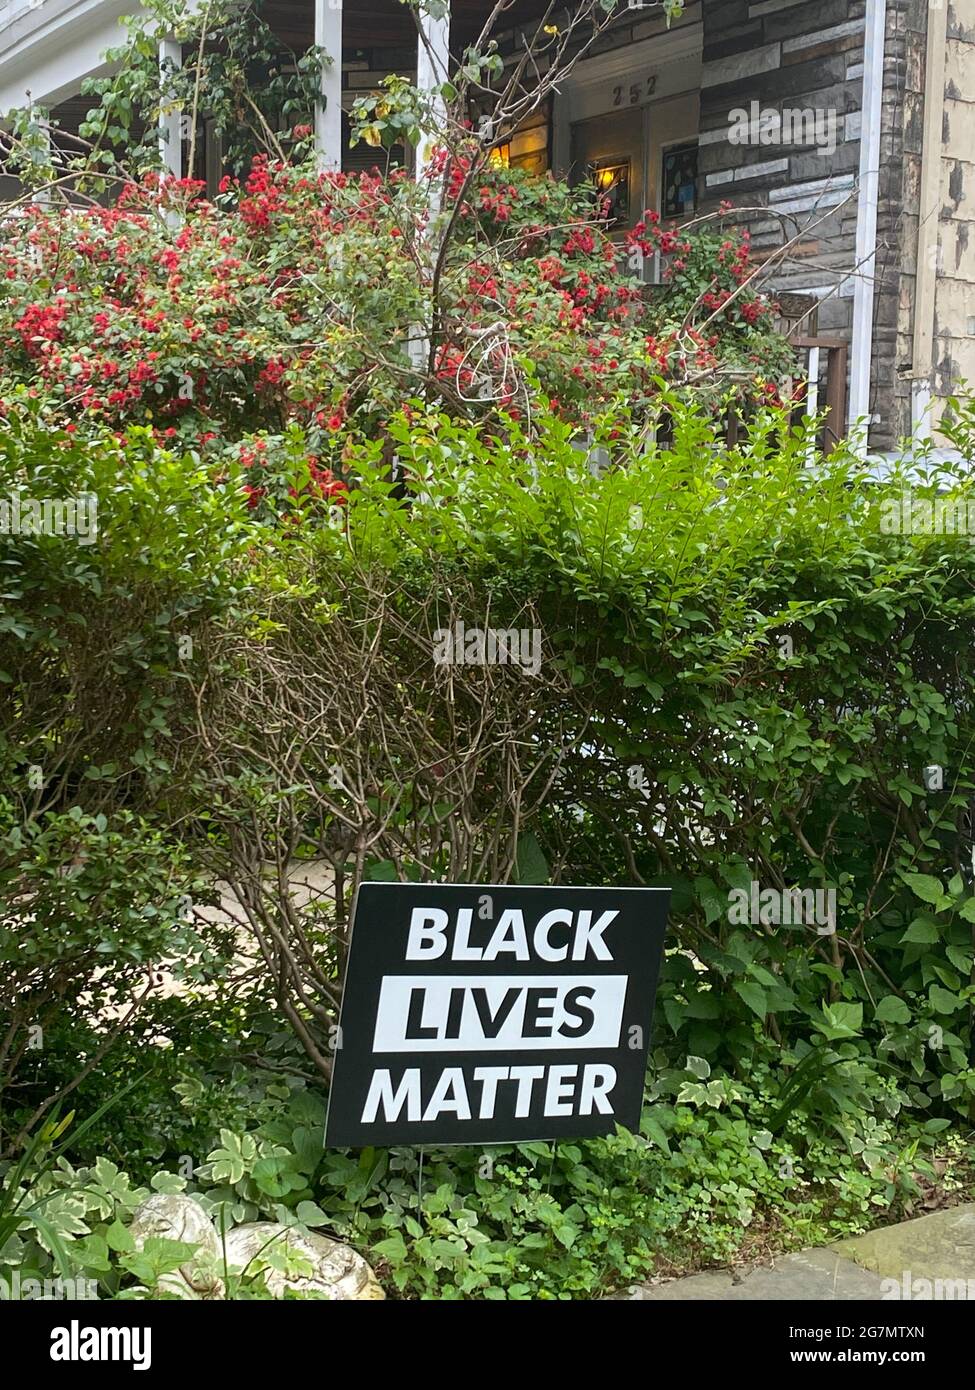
861,349
926,282
171,126
43,195
328,121
812,396
432,71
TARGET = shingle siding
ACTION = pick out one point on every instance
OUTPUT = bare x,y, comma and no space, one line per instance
786,54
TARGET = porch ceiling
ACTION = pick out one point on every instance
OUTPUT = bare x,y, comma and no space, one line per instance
388,23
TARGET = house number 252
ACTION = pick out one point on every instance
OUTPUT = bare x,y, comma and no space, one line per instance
635,92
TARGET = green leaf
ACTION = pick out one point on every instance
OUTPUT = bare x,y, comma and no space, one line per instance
655,1131
393,1249
531,865
120,1238
51,1238
892,1010
960,958
675,1015
566,1234
310,1214
922,931
943,1002
967,910
276,1176
754,996
703,1004
841,1020
926,887
380,871
715,903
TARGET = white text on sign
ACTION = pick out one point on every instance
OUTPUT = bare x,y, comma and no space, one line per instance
558,935
466,1013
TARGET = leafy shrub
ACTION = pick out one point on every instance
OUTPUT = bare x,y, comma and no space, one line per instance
743,677
96,891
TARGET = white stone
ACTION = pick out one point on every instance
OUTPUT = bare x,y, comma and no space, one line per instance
738,65
337,1271
836,31
173,1216
760,171
812,186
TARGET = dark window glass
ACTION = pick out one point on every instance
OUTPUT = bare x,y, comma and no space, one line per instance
679,181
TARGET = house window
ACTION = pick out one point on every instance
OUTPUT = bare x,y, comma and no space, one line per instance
532,161
679,181
612,180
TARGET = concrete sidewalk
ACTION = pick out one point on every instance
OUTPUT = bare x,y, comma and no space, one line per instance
932,1257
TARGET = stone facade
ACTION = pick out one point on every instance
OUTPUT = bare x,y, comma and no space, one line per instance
797,175
791,54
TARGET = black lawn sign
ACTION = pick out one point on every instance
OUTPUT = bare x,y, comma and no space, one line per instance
477,1014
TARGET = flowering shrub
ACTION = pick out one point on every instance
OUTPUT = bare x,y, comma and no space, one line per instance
322,302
